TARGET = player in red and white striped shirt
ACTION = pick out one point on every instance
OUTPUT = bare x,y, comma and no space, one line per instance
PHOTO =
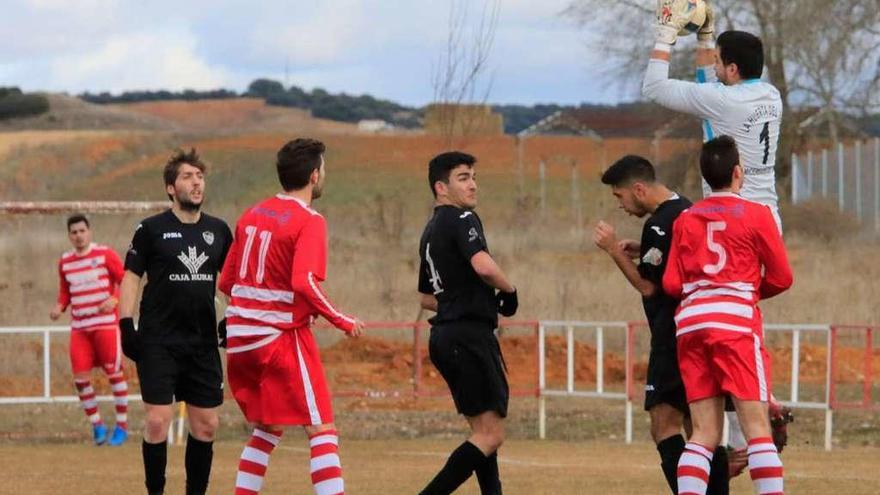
89,277
273,274
727,254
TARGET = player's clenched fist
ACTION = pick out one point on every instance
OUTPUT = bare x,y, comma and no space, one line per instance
604,236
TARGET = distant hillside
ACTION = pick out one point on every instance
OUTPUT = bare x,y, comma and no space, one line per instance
70,113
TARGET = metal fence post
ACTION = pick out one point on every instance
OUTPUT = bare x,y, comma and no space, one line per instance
824,173
47,381
859,180
809,174
794,178
840,201
569,358
542,383
542,177
600,360
877,184
795,363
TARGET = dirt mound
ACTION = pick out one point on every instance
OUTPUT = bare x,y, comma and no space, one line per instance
233,115
70,113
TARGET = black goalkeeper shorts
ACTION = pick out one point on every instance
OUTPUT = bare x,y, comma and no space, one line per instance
468,357
186,373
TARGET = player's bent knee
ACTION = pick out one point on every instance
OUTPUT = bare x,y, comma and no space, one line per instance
203,428
156,428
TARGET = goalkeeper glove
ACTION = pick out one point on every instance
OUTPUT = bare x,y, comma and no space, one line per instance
672,17
706,33
221,333
508,302
130,339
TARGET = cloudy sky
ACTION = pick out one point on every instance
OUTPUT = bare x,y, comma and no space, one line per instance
383,47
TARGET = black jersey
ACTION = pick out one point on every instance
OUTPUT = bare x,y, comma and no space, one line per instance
451,238
656,241
181,262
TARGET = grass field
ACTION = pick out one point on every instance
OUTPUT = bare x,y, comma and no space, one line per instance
404,467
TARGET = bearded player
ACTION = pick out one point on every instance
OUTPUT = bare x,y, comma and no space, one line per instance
273,275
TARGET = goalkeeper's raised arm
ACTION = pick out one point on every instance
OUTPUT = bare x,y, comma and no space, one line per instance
735,102
673,16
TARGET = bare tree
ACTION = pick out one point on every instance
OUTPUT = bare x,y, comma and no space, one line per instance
460,75
820,53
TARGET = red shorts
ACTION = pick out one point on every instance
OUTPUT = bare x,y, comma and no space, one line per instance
282,382
720,362
93,348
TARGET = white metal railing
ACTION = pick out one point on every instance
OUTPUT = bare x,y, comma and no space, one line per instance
47,396
599,327
572,327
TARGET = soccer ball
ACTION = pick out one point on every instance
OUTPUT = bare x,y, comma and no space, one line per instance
695,10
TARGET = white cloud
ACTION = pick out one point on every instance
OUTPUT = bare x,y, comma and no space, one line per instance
159,59
386,48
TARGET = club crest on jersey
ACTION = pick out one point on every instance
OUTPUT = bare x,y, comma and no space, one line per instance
472,234
208,236
193,261
653,257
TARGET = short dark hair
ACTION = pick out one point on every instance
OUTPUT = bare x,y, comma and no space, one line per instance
743,49
77,218
629,169
440,166
717,161
180,157
297,160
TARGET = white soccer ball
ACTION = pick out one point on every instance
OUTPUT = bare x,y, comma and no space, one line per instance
697,9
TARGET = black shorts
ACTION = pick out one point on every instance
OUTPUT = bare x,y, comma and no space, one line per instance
468,357
191,374
664,384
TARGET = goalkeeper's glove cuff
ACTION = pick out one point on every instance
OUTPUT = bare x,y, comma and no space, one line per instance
666,35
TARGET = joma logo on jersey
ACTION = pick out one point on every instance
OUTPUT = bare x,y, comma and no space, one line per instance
172,235
192,260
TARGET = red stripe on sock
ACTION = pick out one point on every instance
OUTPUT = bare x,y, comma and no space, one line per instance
326,474
765,472
327,448
252,467
694,472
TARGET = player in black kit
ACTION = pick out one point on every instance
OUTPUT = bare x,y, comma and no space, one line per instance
634,184
175,345
458,279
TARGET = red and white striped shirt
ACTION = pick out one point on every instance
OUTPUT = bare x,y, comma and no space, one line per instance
86,281
727,254
273,273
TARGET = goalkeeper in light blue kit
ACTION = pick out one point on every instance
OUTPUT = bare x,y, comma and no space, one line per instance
732,100
729,95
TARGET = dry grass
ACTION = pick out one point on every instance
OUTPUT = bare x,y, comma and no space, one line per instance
233,115
405,466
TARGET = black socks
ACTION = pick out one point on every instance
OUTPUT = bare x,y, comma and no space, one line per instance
670,450
155,458
487,476
719,482
199,456
459,467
